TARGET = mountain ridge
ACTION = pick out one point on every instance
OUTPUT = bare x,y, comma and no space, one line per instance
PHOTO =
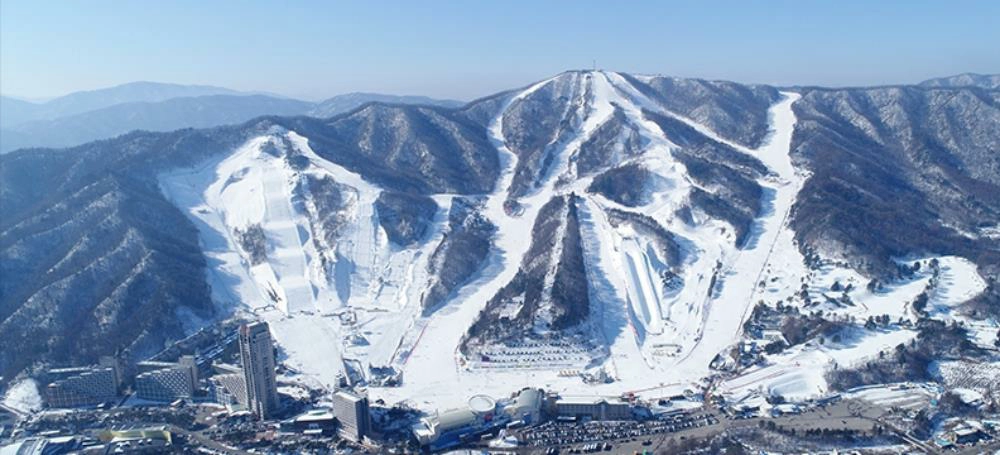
87,100
986,81
706,188
62,122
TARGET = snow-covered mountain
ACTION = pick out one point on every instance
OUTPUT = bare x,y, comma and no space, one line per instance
986,81
594,224
349,101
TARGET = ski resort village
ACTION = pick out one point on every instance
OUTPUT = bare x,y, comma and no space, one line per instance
596,262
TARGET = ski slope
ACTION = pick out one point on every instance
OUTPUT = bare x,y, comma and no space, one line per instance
356,298
296,287
435,377
432,371
643,291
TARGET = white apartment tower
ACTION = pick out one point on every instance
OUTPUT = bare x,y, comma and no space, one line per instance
257,355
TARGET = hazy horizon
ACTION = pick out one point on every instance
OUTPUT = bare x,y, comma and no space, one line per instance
463,51
43,99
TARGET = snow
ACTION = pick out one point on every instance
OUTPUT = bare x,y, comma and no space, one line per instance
363,307
643,293
982,377
291,289
435,376
702,322
23,397
904,396
968,396
431,371
798,374
959,281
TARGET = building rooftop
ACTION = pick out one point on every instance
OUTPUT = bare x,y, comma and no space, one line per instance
588,399
70,371
224,368
156,363
344,394
315,415
527,401
482,404
452,419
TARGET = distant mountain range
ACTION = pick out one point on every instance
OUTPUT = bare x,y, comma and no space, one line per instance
986,81
343,103
85,116
15,112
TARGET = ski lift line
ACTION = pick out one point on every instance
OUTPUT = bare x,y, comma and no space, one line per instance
414,348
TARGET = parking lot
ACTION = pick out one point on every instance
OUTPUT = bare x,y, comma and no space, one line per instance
581,437
636,437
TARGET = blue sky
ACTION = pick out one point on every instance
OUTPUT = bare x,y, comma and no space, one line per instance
466,49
